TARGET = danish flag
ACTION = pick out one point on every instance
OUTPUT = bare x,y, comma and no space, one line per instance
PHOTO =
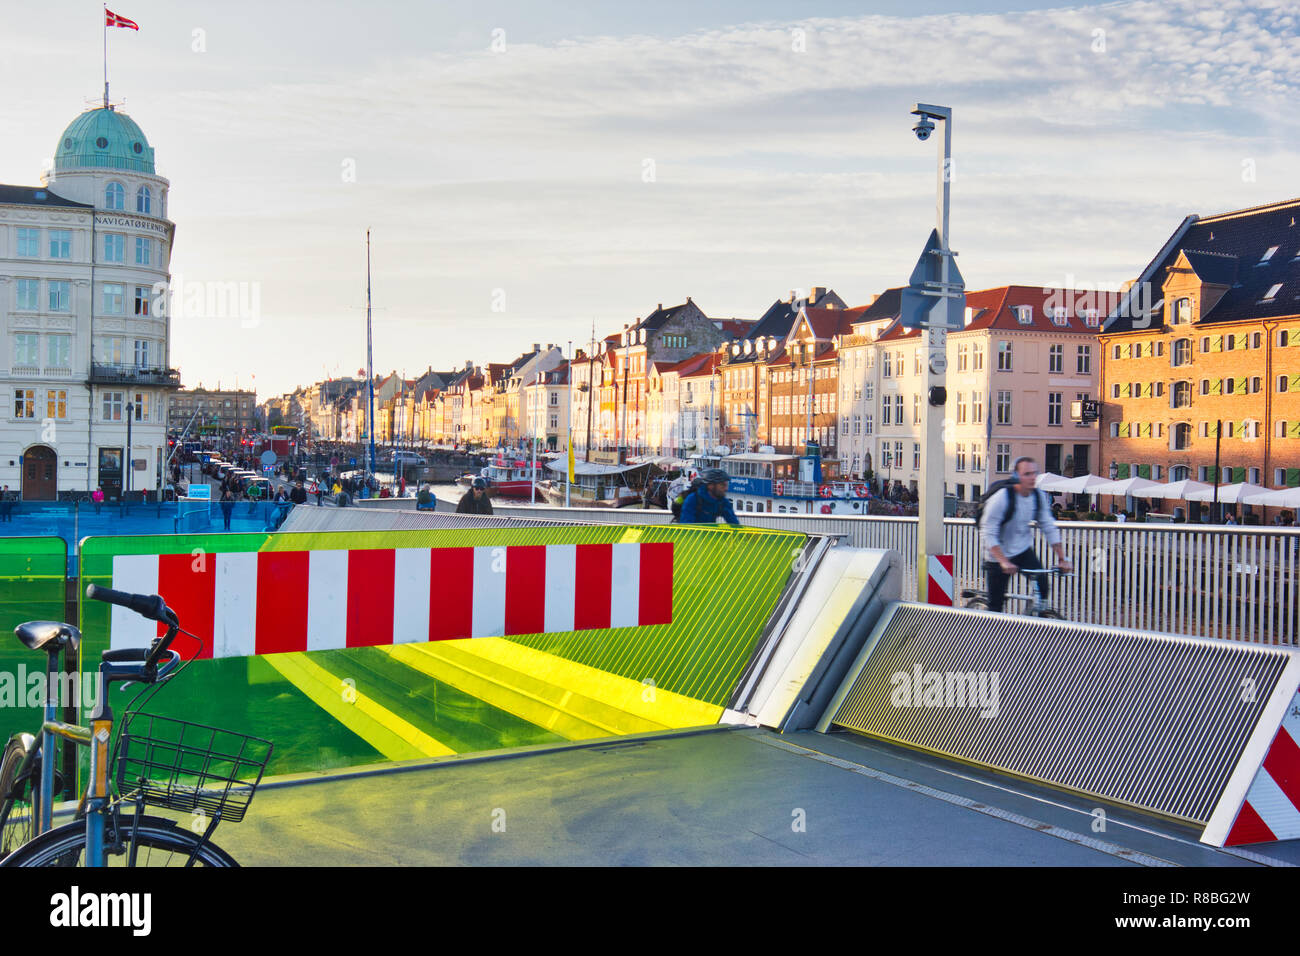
270,602
113,20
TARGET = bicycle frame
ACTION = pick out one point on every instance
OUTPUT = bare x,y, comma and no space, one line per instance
96,800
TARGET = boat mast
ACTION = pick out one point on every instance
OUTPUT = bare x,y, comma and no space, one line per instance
370,362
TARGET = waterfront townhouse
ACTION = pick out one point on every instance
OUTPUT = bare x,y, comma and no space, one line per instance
1201,358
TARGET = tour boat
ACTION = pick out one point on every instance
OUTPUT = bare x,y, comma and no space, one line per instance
507,478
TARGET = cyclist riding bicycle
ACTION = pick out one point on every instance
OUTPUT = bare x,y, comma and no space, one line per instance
706,504
1007,534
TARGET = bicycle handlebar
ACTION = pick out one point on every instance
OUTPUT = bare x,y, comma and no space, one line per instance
149,606
1056,570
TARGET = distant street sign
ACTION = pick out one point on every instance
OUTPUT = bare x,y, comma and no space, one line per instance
352,462
925,288
199,491
268,457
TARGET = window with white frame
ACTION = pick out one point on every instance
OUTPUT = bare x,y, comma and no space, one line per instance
56,403
1083,360
60,295
1053,408
60,243
1004,408
111,405
916,456
1024,314
141,300
142,407
961,408
114,247
114,196
868,424
144,200
29,243
58,351
1056,359
916,409
963,357
961,456
114,299
977,408
142,355
1002,464
143,251
1004,357
28,294
977,358
898,409
24,403
27,350
976,457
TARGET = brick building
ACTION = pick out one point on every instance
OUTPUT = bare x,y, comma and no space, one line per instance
1201,359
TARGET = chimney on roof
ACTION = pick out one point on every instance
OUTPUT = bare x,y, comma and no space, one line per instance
688,301
815,295
537,346
661,306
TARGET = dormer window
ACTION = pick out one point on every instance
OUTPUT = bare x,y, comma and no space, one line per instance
1091,318
1271,294
1060,316
1267,255
1182,311
1025,314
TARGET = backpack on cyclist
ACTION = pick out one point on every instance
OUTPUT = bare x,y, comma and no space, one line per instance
1010,487
676,504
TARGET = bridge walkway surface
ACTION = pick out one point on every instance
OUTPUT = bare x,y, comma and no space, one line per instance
716,796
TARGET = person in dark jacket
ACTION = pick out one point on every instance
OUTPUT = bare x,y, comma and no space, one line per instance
706,505
476,500
299,494
227,507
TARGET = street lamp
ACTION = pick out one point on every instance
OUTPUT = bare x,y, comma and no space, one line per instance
1114,471
930,527
130,462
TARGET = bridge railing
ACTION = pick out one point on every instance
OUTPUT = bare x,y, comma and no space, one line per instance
1237,583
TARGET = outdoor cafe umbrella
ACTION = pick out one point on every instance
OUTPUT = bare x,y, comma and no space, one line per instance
1047,481
1082,485
1174,490
1128,486
1281,498
1228,494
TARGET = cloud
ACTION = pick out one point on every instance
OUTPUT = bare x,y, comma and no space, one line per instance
1082,136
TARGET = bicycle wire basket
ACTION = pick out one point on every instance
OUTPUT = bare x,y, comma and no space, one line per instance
182,765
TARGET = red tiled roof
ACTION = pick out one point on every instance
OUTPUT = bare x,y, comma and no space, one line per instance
703,364
994,309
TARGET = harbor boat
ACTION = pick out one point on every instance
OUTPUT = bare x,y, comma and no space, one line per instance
772,483
597,485
507,478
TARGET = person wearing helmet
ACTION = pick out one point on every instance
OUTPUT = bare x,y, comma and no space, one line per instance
476,500
707,504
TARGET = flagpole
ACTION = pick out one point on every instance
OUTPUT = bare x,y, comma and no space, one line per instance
105,28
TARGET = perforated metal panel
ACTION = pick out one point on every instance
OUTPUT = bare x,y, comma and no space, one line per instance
1153,721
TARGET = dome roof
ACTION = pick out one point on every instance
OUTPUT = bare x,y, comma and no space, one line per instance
106,138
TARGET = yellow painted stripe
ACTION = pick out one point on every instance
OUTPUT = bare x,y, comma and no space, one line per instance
572,700
376,725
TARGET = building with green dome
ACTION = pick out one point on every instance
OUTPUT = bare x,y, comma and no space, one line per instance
84,281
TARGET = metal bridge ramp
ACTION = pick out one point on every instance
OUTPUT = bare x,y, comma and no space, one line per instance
1151,721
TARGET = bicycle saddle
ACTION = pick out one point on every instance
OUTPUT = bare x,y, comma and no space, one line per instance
35,635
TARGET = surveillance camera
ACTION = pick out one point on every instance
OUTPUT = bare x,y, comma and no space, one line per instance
923,128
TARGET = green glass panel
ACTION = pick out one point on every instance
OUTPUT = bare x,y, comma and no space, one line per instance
32,588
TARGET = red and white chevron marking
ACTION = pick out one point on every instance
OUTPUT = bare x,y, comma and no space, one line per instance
1271,810
270,602
939,577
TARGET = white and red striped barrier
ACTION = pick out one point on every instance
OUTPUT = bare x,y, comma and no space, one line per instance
270,602
1271,810
939,579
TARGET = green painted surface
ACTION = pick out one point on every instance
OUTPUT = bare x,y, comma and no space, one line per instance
725,586
32,588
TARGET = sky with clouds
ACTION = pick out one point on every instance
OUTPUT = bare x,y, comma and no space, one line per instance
528,168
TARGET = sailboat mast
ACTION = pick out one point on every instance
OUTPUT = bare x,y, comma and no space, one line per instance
370,361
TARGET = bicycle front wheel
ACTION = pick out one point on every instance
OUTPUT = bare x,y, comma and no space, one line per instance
158,842
18,796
